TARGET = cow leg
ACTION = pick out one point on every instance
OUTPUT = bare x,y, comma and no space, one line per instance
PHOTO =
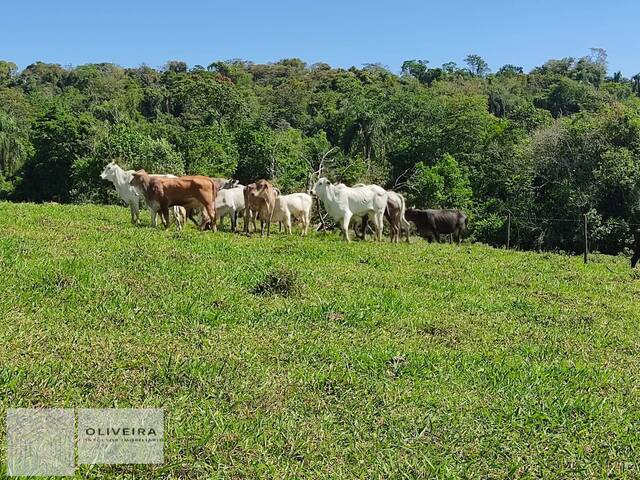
287,220
375,227
254,215
234,220
182,218
395,227
154,216
247,213
205,220
379,224
346,220
164,212
191,214
363,228
269,215
211,211
177,213
134,212
305,223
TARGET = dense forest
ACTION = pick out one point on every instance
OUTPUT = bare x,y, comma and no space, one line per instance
558,142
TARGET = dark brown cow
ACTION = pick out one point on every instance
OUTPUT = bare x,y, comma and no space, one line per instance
431,223
189,192
259,201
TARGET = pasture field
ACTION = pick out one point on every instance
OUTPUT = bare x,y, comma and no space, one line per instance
308,358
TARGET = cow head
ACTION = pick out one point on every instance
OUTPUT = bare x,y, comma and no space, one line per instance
412,214
140,179
258,189
320,186
109,172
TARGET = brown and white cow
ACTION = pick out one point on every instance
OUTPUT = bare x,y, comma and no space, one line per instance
259,201
189,192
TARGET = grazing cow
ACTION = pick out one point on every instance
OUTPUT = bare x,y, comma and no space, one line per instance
430,224
636,248
259,201
297,205
343,203
395,215
230,202
189,192
121,180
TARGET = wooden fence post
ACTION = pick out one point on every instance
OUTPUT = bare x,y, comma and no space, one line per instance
509,231
586,240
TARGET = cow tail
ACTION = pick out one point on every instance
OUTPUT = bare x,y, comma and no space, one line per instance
403,209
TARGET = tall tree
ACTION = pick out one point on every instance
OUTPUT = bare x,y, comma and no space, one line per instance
477,65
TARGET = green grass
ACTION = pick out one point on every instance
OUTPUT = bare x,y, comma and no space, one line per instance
309,358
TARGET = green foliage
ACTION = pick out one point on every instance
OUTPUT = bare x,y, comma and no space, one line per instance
14,145
490,229
58,137
132,150
444,185
477,65
211,151
556,142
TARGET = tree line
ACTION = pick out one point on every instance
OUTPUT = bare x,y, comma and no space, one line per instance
557,142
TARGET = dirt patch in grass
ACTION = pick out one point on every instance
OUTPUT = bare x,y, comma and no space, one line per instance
279,281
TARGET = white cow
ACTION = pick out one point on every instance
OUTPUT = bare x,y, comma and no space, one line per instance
343,203
121,180
230,201
394,214
297,205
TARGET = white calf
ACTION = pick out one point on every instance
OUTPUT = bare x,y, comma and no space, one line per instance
230,202
297,205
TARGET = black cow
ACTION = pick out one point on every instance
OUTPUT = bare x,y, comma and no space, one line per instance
430,224
636,248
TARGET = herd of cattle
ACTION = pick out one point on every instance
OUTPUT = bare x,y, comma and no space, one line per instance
206,201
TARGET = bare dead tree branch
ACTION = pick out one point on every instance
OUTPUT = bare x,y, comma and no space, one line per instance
316,174
404,174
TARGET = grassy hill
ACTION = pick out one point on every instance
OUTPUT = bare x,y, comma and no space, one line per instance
309,358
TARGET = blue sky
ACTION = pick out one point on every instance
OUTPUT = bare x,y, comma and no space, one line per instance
341,33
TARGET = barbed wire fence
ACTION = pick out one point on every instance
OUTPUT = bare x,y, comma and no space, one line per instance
582,223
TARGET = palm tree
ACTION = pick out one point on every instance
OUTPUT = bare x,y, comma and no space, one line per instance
12,151
635,86
367,134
